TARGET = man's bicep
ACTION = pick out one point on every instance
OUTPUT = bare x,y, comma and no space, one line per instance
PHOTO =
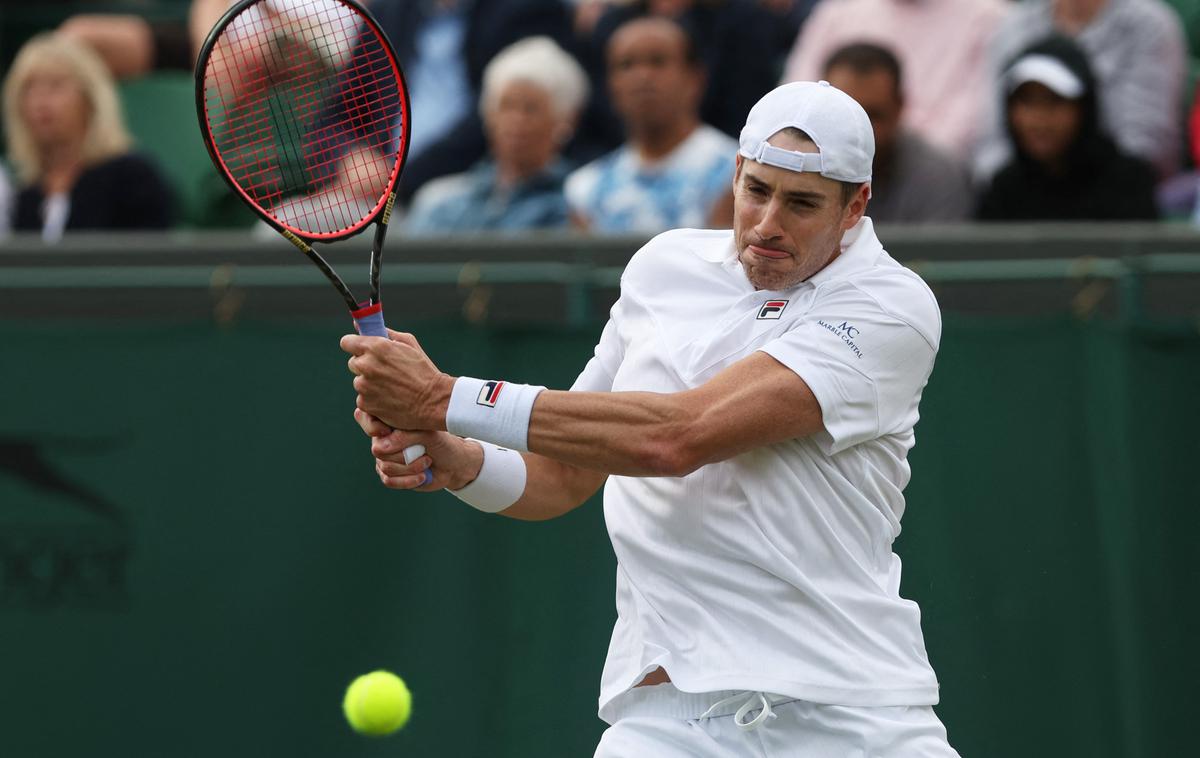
755,402
865,373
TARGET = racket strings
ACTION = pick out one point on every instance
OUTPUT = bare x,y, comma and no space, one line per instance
304,106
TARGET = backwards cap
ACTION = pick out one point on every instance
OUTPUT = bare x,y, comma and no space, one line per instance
837,125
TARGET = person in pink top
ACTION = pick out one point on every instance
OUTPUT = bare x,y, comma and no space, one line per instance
942,46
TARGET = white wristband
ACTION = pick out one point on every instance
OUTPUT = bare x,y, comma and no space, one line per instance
500,483
492,410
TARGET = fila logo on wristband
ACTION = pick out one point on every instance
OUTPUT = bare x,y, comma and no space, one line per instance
771,310
478,410
489,394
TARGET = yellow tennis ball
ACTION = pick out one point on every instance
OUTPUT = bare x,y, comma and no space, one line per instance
377,703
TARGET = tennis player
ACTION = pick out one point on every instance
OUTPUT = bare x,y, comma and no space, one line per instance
748,410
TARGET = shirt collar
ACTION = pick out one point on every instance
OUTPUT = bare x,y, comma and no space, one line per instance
860,250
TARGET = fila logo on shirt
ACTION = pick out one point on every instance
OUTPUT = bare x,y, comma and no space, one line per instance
771,310
489,394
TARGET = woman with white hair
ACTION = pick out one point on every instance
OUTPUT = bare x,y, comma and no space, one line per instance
532,94
69,147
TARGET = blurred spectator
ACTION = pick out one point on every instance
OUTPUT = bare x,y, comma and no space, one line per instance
532,94
1066,166
912,181
1138,54
788,18
586,13
942,45
443,47
133,46
69,146
735,45
673,171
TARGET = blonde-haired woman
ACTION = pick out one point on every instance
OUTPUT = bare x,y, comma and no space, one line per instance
69,147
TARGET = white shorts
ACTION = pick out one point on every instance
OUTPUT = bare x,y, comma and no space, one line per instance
662,722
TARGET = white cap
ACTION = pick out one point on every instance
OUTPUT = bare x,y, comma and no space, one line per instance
836,123
1045,70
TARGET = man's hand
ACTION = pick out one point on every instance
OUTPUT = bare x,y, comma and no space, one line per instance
453,461
396,381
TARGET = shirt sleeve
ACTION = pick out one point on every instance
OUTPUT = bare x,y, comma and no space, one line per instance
866,365
600,372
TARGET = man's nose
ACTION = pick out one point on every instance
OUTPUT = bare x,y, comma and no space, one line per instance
768,226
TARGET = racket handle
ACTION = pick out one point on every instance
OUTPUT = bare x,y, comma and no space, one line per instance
413,452
368,320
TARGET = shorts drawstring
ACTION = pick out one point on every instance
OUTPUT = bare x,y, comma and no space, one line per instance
754,701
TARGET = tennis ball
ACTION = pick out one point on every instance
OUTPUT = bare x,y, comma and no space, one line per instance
377,703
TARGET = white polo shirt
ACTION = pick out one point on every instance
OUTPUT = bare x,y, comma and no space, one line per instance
772,571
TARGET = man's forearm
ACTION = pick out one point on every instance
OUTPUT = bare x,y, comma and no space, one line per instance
756,402
552,488
625,433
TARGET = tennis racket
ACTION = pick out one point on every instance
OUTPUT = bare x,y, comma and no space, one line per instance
305,113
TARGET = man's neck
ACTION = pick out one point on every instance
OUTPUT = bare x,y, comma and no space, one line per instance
654,144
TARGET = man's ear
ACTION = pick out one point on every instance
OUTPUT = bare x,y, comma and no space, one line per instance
857,207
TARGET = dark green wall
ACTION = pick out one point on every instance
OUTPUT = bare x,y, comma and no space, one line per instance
197,556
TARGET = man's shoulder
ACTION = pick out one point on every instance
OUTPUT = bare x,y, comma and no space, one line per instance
675,251
705,244
893,289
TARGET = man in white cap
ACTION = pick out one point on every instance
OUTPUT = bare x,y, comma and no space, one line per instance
748,411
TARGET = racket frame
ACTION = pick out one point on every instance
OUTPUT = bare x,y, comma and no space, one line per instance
380,215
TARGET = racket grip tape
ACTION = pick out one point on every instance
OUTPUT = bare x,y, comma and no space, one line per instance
368,320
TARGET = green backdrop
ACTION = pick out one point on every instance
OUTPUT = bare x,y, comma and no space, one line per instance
196,556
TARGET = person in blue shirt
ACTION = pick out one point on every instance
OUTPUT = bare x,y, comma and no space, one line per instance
673,170
532,94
